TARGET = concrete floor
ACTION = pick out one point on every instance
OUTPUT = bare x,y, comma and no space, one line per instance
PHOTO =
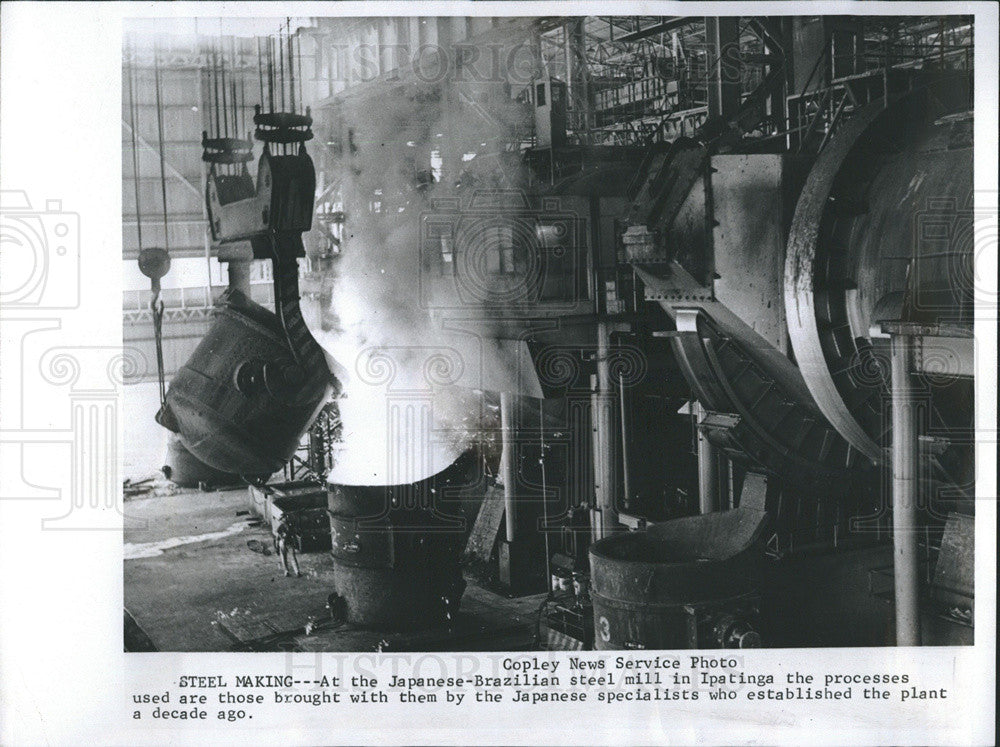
193,584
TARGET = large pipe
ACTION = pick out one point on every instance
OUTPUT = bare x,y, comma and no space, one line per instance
708,469
508,463
905,466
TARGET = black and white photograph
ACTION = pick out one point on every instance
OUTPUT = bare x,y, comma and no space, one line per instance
604,332
486,376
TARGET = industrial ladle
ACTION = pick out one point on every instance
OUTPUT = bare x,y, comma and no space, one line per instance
257,379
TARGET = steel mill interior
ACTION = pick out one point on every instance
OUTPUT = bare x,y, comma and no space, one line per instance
633,332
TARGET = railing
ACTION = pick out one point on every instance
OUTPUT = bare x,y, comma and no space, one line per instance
813,115
314,456
656,128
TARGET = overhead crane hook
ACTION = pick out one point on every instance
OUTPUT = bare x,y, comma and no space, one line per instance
154,262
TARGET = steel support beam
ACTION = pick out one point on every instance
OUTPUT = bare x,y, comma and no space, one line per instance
725,70
905,487
604,519
171,169
664,27
508,463
709,484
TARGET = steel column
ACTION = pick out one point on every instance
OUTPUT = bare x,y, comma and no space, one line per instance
626,467
508,471
905,486
725,68
602,407
708,469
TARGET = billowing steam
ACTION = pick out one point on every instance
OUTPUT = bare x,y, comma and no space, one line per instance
413,397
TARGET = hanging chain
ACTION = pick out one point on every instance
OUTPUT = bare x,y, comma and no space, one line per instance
155,302
291,66
132,111
163,162
152,262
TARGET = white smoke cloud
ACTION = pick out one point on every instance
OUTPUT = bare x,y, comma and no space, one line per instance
378,318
